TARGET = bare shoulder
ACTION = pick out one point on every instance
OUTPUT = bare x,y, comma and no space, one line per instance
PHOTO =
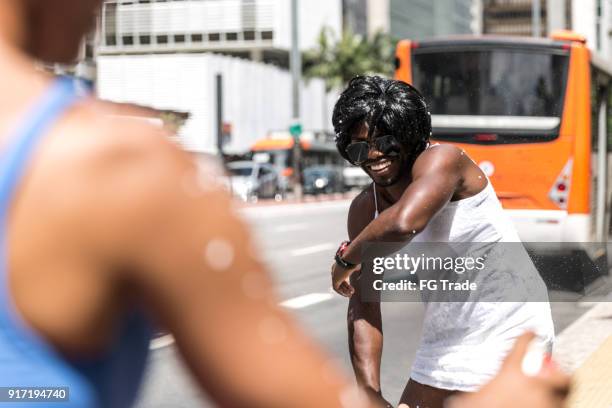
106,145
108,132
442,158
119,170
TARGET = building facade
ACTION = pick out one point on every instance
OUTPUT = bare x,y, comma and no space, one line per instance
417,19
255,96
355,16
259,30
593,19
590,18
512,17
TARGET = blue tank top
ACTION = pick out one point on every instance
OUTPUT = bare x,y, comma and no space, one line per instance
27,359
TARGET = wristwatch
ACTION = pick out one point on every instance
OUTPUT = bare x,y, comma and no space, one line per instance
341,262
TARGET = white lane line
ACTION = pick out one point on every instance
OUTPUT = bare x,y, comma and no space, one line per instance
312,249
160,342
299,302
291,227
306,300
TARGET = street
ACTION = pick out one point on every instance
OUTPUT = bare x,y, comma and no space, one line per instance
298,242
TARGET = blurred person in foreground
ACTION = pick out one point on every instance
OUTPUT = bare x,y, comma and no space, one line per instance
105,226
427,193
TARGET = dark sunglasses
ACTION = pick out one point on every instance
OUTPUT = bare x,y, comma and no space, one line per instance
357,152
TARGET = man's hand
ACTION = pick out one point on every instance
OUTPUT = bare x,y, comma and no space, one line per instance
511,388
341,279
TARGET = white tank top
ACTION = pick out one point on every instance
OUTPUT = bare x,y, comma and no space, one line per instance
452,354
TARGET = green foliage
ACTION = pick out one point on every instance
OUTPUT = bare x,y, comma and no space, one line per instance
337,61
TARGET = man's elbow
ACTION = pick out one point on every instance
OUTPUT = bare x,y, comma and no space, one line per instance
406,227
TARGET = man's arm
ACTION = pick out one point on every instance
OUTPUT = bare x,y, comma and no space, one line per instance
364,319
194,264
436,176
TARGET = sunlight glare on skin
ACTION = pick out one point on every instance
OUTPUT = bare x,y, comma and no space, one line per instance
272,330
252,249
190,185
219,254
254,285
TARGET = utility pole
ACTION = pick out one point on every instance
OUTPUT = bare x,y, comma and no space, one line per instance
536,16
219,101
296,74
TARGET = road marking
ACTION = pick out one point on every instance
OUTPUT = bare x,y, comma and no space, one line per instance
160,342
291,227
312,249
299,302
303,301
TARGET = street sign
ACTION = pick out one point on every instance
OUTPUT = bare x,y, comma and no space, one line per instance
295,129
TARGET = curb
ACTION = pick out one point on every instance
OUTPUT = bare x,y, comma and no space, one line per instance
583,337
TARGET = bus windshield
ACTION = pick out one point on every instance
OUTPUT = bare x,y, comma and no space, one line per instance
494,85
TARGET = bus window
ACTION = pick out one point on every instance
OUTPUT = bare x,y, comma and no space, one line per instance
502,89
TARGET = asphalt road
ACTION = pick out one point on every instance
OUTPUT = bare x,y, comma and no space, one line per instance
298,242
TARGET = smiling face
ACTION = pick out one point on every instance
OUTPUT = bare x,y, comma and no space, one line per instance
384,170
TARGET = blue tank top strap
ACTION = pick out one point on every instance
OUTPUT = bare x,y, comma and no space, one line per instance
14,159
44,113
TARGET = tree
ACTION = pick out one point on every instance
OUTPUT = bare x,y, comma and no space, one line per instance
337,61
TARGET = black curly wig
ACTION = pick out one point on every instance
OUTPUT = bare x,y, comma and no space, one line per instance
387,106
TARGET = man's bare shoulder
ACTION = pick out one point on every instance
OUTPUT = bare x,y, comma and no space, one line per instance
441,158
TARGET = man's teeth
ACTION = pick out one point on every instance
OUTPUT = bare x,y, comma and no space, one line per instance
380,165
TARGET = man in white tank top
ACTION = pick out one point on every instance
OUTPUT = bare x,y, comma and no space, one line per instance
423,193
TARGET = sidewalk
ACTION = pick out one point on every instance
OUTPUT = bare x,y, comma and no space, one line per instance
585,350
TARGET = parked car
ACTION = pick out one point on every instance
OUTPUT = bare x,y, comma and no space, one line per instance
355,177
323,179
251,180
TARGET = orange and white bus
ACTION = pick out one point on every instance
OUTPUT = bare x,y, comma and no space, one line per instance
533,113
